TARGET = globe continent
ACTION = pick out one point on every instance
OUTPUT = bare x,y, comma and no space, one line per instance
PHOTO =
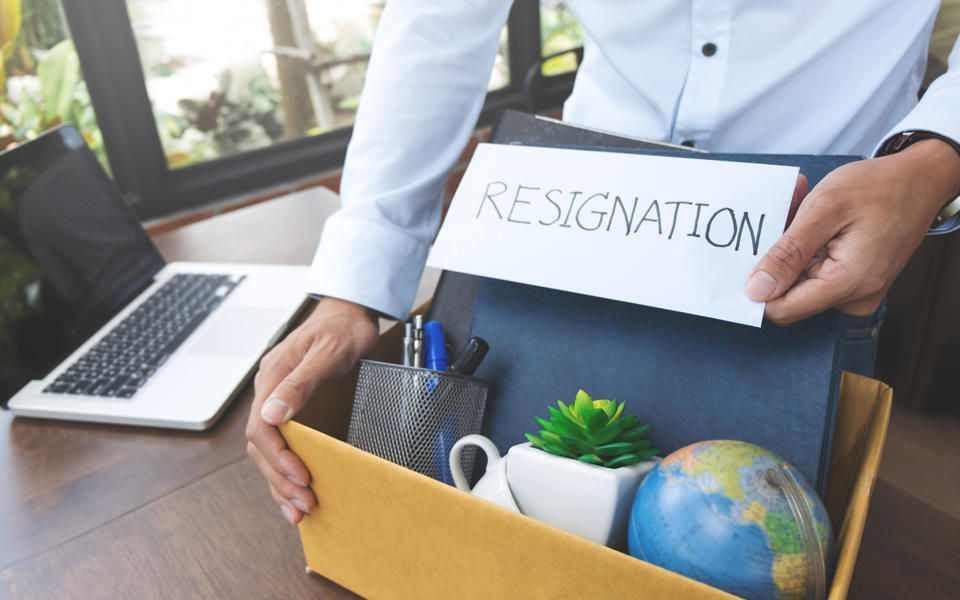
709,512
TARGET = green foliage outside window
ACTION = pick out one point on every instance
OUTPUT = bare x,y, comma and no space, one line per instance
559,30
40,81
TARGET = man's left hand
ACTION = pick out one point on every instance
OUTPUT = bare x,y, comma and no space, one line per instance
854,232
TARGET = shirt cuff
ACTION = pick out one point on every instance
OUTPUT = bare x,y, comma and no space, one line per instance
936,115
367,263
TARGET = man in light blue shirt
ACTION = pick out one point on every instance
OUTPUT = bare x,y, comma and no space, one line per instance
813,77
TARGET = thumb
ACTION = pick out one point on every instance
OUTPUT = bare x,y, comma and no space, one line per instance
799,193
780,267
293,392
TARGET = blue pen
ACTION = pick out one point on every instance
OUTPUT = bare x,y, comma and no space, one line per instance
435,358
436,346
442,446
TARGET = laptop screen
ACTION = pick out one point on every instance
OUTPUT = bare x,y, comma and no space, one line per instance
71,254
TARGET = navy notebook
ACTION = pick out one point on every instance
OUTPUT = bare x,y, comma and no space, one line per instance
693,378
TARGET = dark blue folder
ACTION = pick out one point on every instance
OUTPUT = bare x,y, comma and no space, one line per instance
693,378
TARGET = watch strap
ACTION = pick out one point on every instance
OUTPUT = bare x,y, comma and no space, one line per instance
904,139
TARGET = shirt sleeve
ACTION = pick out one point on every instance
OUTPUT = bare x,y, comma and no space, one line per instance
424,89
939,109
938,112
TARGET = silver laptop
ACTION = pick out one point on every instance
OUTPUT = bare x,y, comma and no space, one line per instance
94,326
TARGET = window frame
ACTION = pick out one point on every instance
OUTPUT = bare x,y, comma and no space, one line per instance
104,39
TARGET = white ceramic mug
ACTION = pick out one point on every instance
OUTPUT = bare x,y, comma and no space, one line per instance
493,486
590,501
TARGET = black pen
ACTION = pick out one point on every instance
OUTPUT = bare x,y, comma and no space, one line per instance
470,357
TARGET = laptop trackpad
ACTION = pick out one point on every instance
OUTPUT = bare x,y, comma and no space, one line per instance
239,331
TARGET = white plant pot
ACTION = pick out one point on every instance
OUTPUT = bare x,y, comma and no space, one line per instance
590,501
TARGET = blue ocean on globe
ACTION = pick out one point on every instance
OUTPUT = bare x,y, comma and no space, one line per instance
709,512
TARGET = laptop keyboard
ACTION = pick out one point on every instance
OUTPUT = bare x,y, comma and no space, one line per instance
123,360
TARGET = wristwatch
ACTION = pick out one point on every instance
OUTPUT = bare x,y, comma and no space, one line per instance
948,219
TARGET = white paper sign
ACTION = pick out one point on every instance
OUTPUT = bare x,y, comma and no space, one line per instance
676,233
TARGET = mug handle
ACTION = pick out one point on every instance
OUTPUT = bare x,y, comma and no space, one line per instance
474,439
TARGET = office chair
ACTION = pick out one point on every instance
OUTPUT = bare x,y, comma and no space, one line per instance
533,80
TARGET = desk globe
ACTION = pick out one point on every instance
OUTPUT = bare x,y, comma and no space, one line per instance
710,511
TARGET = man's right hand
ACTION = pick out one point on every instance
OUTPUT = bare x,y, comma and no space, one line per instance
327,344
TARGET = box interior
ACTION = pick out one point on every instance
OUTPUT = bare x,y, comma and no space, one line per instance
384,531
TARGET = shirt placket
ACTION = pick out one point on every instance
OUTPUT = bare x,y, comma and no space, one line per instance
699,104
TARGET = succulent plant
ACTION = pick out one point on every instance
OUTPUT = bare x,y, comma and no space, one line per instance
595,432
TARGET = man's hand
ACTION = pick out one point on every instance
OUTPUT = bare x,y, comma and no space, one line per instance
326,345
854,232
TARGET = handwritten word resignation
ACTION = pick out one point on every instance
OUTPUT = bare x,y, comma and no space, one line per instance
530,205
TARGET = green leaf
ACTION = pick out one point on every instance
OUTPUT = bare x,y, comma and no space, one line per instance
579,446
571,430
609,406
624,460
557,450
59,73
29,110
595,419
551,437
582,403
612,431
615,449
261,105
556,415
349,103
593,459
12,18
645,429
537,442
618,412
609,433
648,453
636,434
188,106
566,412
545,424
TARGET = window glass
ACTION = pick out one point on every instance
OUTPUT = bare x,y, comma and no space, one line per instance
559,31
269,71
40,81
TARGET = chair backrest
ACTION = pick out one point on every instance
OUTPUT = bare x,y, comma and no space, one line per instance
533,80
944,36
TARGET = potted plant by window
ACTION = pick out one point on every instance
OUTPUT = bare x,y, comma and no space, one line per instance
582,470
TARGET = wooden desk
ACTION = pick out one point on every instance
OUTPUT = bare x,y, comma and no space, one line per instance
100,511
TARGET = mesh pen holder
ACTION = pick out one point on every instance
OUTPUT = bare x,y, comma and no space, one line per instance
412,416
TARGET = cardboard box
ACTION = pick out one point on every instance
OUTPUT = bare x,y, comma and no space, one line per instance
387,532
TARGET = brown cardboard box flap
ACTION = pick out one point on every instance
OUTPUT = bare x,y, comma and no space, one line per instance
863,415
387,532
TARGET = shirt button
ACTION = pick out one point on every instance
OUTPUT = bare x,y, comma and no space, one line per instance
687,143
709,49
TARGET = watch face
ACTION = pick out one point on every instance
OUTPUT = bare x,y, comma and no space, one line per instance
901,141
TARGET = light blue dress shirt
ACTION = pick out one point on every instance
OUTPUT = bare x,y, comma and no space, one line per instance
797,76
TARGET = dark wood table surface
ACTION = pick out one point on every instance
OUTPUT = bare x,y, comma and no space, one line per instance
103,511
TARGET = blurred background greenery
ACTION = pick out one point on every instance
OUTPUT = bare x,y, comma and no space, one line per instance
559,31
40,81
272,70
